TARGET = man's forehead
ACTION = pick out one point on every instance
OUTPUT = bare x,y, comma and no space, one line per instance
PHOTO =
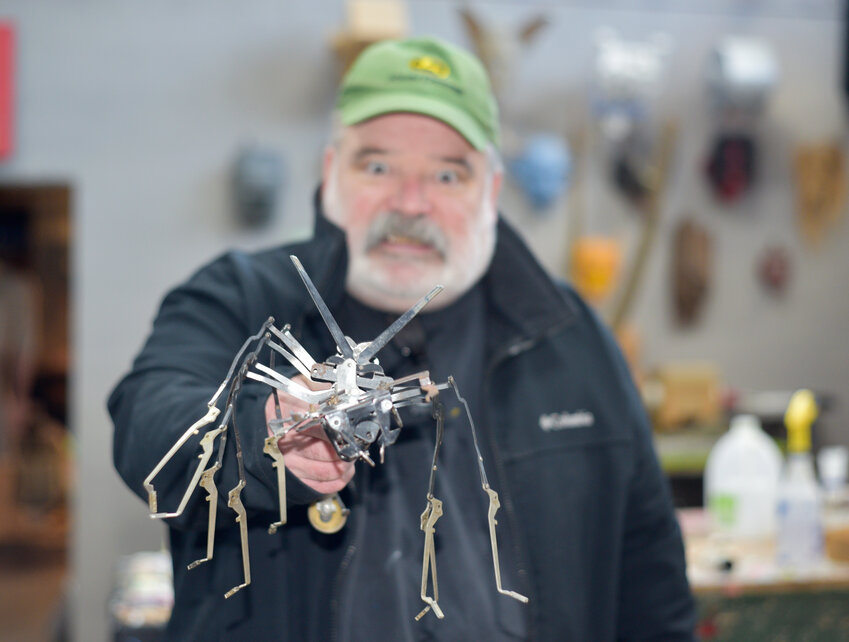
408,133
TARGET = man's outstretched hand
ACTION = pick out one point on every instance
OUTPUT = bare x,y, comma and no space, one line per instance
309,454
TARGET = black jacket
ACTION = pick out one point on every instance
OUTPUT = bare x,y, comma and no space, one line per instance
599,548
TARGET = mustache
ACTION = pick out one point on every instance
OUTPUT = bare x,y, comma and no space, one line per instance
419,229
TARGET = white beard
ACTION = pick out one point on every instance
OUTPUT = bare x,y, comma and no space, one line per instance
370,281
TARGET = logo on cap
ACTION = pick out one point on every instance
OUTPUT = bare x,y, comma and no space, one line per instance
431,65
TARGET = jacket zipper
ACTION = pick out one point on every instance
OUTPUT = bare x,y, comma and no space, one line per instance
337,587
345,564
519,550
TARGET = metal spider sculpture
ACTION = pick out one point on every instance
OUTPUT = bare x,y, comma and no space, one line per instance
356,412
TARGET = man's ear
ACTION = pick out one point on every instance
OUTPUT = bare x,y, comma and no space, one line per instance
327,164
495,190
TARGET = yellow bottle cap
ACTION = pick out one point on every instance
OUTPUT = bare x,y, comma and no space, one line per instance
801,413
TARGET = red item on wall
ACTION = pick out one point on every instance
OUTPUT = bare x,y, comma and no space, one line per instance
731,166
774,269
7,68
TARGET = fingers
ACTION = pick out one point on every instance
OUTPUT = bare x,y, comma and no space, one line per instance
289,404
310,444
309,454
313,460
329,487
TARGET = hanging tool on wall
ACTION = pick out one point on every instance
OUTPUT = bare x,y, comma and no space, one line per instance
741,74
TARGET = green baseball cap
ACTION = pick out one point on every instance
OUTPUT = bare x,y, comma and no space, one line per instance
424,76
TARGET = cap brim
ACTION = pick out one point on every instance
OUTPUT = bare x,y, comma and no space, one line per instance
361,109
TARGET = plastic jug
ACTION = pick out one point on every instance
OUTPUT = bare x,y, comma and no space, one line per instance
741,480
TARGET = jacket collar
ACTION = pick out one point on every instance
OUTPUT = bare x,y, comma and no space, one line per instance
330,262
521,290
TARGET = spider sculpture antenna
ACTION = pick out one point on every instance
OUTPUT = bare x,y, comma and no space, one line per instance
329,321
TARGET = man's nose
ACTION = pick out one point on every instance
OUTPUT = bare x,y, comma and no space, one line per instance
411,197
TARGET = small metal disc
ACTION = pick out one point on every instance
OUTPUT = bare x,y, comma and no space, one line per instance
327,515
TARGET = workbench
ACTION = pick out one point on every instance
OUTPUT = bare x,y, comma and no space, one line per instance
745,596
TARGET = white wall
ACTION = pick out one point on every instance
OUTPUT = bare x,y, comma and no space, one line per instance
143,106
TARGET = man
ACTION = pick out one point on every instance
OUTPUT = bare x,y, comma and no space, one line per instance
586,530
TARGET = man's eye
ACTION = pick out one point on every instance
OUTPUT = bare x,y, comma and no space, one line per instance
447,177
376,168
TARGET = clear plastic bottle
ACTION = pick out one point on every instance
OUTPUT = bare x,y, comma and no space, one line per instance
800,532
741,480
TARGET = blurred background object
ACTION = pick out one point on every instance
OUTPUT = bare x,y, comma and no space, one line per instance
821,179
367,22
142,597
36,456
542,170
7,85
742,73
692,269
258,178
499,47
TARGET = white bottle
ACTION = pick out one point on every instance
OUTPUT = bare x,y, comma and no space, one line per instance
833,467
800,532
741,480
